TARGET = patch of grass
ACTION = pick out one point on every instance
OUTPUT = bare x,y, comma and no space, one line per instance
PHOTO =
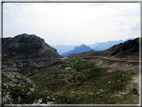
82,65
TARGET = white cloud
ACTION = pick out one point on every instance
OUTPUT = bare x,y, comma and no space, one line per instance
72,23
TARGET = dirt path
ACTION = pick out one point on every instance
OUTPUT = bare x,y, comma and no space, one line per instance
121,60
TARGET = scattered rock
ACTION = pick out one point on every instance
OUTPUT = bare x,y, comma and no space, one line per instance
97,93
39,101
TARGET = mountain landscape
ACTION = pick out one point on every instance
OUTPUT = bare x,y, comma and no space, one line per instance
34,73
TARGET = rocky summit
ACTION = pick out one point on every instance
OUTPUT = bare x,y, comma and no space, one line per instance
25,46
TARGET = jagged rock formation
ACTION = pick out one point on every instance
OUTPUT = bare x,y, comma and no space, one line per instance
25,46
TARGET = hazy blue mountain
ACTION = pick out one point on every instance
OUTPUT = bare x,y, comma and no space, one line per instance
98,46
80,49
63,48
105,45
94,45
128,39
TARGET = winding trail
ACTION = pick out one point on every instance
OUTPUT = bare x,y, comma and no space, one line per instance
121,60
91,57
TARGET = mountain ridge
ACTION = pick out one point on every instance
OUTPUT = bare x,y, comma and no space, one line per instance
25,46
98,46
105,45
126,50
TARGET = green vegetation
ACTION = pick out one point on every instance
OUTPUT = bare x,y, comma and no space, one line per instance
101,89
83,83
82,65
86,84
91,53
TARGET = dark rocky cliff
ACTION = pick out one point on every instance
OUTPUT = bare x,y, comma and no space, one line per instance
25,46
126,50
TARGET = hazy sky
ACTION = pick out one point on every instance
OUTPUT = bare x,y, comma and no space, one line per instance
72,23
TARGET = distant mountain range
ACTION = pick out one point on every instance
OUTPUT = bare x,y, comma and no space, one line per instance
94,45
106,45
80,49
65,50
128,50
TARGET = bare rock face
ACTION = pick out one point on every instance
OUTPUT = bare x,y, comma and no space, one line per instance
25,46
128,50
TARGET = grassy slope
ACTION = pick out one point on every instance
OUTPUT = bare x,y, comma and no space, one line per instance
90,53
82,83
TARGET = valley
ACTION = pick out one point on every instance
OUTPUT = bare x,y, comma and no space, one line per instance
88,81
93,77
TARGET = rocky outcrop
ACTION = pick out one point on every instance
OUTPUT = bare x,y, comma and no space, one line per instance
25,46
128,50
16,83
18,89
